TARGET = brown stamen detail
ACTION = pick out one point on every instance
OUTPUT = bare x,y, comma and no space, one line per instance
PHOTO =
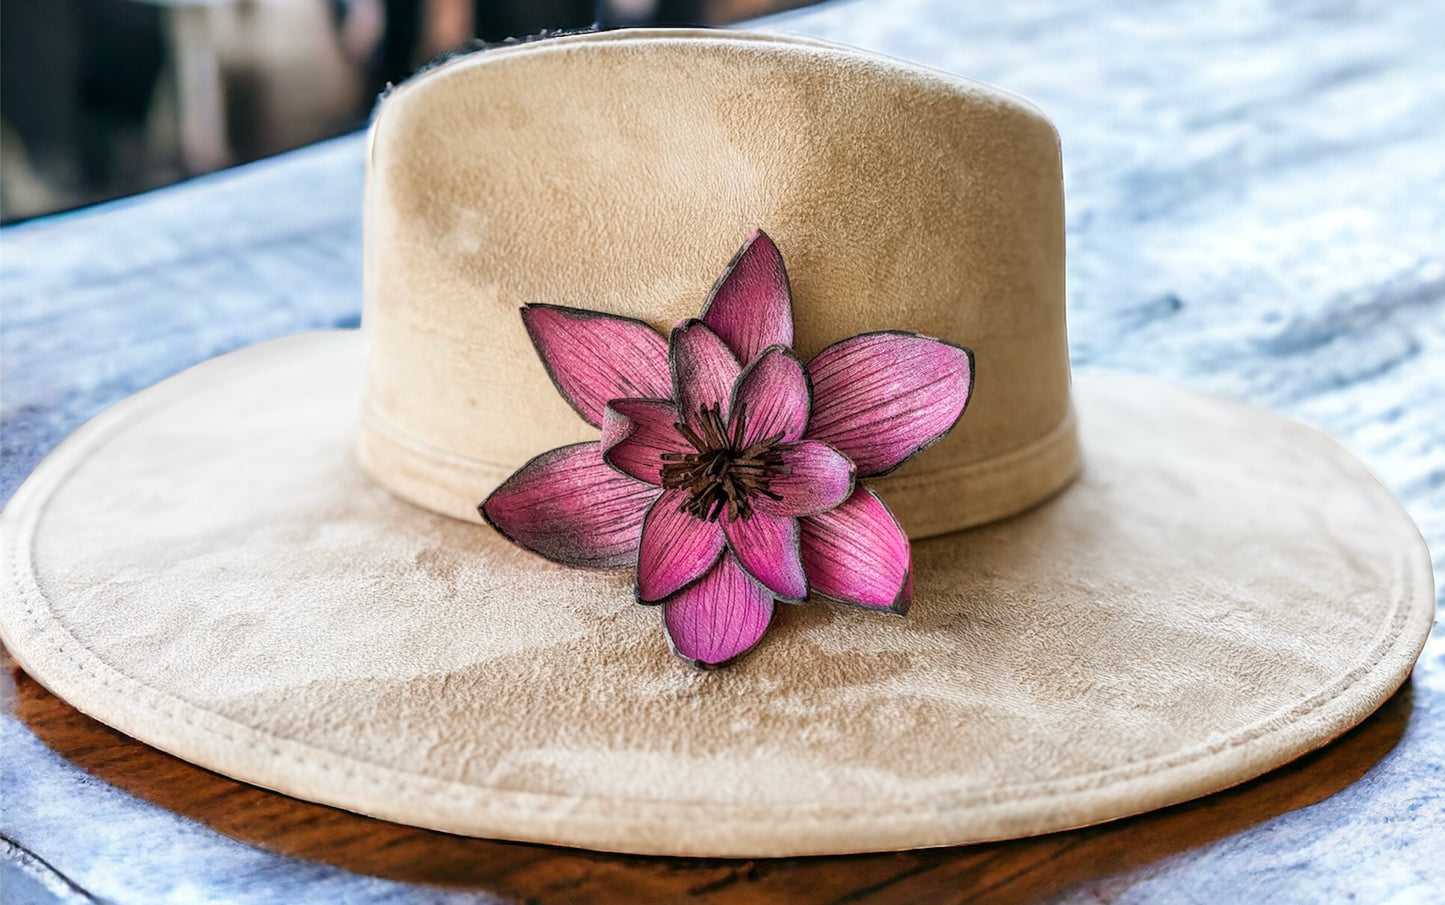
723,476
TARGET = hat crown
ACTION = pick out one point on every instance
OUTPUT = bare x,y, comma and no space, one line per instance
620,171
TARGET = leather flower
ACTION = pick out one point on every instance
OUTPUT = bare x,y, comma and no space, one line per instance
728,470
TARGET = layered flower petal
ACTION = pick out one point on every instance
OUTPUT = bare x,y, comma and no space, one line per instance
637,433
594,357
767,546
719,617
857,553
879,398
773,398
570,507
817,479
676,549
750,306
704,370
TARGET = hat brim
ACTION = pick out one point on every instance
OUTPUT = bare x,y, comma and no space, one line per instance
205,567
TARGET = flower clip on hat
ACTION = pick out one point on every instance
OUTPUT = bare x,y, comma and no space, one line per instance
746,471
1124,594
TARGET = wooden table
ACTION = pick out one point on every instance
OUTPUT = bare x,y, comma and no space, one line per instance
1256,200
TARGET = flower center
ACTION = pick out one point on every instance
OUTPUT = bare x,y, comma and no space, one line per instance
722,474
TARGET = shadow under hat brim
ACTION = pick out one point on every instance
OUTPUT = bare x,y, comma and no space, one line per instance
206,568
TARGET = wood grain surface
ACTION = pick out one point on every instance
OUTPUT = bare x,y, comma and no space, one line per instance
1256,206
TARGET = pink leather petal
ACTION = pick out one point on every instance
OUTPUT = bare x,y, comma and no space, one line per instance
767,546
858,554
719,617
570,507
636,433
819,478
594,357
879,398
676,549
750,306
775,390
703,370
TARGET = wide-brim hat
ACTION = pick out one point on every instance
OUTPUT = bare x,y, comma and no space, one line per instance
1119,593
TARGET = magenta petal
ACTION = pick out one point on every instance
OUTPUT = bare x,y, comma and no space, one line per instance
858,554
595,357
677,548
750,306
636,433
567,505
879,398
767,546
818,479
719,617
703,370
775,390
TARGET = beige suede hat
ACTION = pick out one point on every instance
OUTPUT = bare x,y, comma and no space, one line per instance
1124,594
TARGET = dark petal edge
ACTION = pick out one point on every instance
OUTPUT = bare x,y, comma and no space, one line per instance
709,667
584,313
972,374
899,606
807,382
733,264
797,548
636,580
607,450
482,510
690,324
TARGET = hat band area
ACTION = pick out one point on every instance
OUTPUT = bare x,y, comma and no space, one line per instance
926,504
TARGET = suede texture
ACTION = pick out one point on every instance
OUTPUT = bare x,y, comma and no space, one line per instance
620,172
206,567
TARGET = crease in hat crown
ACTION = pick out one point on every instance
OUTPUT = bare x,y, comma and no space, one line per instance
619,171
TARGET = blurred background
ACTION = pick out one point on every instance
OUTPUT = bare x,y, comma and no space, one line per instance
105,98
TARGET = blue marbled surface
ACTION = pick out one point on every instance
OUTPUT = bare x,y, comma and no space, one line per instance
1256,206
